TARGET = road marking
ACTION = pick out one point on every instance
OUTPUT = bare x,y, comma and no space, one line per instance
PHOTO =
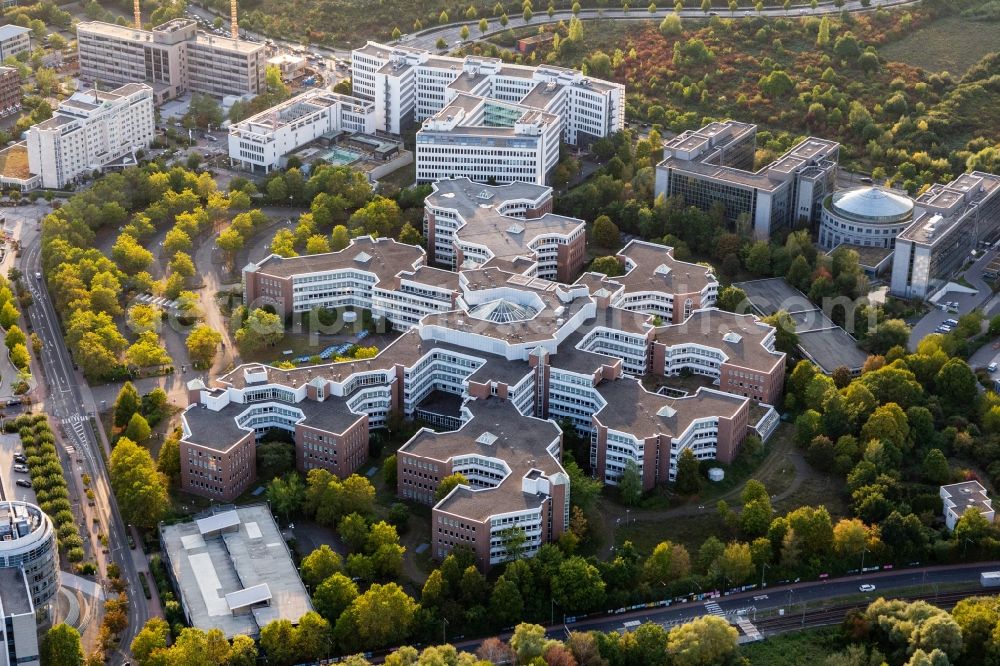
714,609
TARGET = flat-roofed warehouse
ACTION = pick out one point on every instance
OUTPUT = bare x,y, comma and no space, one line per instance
234,571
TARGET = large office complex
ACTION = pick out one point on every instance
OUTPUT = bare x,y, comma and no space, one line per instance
173,58
655,283
481,117
948,223
468,224
515,481
490,354
489,141
234,571
89,131
261,141
29,578
14,39
714,165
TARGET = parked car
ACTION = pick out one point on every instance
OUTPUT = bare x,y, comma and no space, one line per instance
20,469
992,367
867,587
24,483
20,458
951,322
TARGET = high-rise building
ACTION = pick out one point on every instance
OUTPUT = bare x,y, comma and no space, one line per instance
29,578
949,222
409,85
173,58
714,165
90,131
10,91
14,39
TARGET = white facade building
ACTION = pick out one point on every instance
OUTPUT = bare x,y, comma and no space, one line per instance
958,498
864,216
89,131
14,39
263,140
949,222
488,141
410,85
29,566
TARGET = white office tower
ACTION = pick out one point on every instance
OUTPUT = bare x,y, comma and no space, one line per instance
90,131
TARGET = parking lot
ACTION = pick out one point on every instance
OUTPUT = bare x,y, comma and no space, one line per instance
9,444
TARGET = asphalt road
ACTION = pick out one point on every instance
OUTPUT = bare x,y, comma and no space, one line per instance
66,396
451,32
792,598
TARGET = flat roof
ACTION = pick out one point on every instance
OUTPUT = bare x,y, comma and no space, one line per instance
15,598
631,408
384,257
868,256
769,295
740,337
655,269
962,496
830,348
10,30
942,208
495,430
706,142
223,572
483,209
218,429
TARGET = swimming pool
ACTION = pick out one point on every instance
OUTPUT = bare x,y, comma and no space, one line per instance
341,157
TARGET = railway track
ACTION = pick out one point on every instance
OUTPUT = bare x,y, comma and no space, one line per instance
823,617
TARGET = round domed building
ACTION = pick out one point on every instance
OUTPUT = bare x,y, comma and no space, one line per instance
868,216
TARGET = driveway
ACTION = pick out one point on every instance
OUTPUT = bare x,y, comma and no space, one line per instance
983,299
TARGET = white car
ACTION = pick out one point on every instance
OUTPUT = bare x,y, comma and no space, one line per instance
20,468
867,587
992,367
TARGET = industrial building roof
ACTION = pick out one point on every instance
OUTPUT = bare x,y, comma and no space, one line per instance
226,570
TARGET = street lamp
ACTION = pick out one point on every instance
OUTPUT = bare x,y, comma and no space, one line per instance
444,631
863,551
763,567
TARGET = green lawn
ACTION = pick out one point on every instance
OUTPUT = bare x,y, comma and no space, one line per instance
933,47
690,531
793,649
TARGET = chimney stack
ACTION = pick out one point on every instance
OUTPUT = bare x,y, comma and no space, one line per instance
234,27
137,14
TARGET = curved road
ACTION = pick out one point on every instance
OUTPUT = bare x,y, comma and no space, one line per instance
68,402
451,32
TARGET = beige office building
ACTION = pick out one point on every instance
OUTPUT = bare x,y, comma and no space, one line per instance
173,58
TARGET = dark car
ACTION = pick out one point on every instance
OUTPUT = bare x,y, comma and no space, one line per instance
20,458
24,483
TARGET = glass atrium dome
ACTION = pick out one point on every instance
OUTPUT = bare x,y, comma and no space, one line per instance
502,311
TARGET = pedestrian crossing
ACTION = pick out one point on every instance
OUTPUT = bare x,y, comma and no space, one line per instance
75,422
714,609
